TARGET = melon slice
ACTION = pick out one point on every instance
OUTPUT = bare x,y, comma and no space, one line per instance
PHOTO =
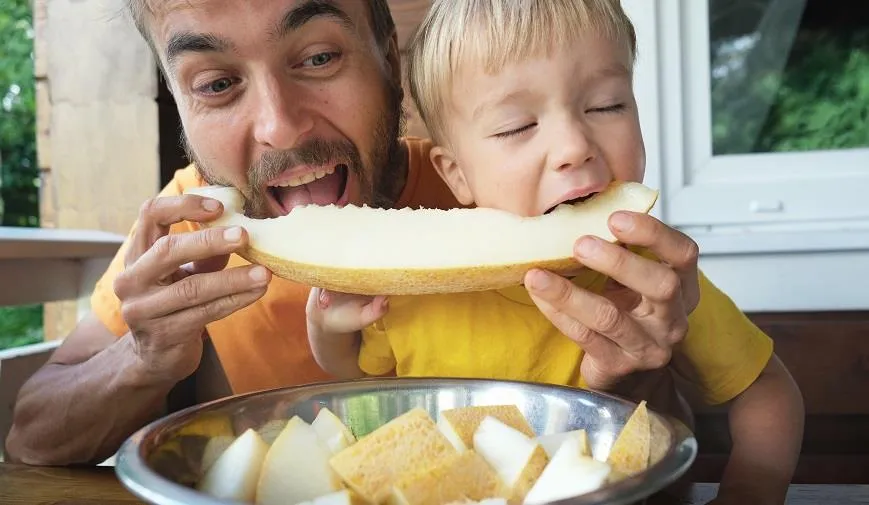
417,251
464,476
343,497
553,441
235,473
332,431
460,424
214,448
408,444
568,474
517,458
631,450
296,467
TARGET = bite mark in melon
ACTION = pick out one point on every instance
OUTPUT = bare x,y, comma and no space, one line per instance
407,251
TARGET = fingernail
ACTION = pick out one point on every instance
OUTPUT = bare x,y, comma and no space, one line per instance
621,221
538,281
232,234
587,247
210,205
258,274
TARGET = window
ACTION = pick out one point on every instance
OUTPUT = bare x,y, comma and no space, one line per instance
754,114
764,120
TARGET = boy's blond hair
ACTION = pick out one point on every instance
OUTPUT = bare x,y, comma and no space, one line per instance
492,33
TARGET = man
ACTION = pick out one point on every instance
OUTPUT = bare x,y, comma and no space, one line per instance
292,102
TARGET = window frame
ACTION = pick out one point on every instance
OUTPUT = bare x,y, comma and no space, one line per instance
802,258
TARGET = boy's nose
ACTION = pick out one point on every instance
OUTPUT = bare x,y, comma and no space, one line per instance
279,119
571,147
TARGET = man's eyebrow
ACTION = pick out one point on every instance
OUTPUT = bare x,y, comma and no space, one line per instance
296,17
188,42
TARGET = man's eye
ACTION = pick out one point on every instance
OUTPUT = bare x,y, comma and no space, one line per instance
219,86
318,60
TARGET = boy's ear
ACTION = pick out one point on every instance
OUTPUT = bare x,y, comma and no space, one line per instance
452,174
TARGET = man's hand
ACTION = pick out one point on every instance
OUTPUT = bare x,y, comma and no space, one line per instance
644,310
175,284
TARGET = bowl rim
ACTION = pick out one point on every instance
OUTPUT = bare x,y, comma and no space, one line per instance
134,473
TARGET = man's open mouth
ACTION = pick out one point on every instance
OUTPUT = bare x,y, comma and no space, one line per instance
571,201
323,186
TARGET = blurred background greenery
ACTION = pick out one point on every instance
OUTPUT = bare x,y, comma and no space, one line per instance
19,175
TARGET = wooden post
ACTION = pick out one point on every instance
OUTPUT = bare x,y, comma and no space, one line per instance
97,130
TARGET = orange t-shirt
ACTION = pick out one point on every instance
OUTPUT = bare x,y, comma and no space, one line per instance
265,345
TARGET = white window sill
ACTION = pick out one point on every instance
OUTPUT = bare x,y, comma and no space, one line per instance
792,282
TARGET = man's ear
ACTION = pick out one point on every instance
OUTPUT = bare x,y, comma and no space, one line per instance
452,174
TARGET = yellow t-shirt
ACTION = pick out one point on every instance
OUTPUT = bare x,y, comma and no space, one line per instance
501,334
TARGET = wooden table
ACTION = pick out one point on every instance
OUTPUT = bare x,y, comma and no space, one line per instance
20,485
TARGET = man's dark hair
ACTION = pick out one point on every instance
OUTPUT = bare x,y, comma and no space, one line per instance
379,15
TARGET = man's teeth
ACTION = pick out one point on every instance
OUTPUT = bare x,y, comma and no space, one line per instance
306,178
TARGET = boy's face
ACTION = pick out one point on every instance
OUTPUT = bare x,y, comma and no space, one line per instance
542,131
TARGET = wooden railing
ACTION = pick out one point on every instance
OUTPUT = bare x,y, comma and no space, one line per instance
39,265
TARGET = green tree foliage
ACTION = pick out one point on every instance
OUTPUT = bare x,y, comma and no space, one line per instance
817,100
19,193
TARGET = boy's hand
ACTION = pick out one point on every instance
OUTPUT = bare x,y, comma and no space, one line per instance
333,313
643,313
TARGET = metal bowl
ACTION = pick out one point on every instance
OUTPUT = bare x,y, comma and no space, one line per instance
161,463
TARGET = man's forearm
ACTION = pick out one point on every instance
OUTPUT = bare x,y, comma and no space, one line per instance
81,413
766,426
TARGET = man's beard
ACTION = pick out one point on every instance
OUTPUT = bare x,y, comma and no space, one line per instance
380,179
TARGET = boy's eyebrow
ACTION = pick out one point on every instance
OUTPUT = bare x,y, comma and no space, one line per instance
498,100
307,11
614,70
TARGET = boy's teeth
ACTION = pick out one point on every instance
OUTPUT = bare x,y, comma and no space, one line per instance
307,178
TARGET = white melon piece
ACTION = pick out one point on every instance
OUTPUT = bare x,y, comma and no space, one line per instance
552,442
214,448
235,473
296,467
568,474
343,497
332,431
517,458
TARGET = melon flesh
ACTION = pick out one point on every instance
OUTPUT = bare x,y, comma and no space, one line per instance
415,251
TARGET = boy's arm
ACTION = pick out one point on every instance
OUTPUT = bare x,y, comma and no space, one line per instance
766,427
336,353
335,322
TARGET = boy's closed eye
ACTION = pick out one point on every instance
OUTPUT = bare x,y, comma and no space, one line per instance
515,131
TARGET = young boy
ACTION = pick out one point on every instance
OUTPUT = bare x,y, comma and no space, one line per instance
530,104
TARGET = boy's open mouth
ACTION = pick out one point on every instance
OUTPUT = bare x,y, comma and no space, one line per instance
319,186
570,202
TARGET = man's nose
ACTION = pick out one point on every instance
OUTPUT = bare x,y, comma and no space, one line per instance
572,146
280,118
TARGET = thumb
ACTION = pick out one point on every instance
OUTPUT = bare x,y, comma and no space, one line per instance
374,310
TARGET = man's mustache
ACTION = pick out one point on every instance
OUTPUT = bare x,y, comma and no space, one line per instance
313,152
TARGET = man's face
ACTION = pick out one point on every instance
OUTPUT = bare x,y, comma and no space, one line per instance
290,101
